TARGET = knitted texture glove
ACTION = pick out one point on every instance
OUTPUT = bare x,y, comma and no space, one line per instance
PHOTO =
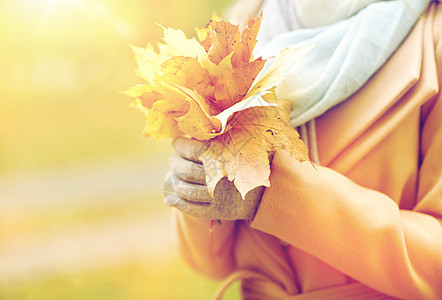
185,188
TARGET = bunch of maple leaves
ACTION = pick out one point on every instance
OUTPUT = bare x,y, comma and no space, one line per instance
213,90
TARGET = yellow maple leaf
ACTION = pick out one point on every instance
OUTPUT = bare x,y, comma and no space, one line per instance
215,91
182,65
242,154
148,61
198,122
187,72
161,121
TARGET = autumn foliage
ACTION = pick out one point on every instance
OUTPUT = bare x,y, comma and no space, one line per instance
213,90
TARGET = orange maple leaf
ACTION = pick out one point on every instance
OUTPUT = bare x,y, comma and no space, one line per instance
244,50
220,38
187,72
234,84
225,39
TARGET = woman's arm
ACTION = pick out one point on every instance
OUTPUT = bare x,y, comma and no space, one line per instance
359,231
362,232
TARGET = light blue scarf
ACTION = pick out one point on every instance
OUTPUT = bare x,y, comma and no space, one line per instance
346,55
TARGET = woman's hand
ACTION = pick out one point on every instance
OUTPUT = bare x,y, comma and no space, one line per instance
185,188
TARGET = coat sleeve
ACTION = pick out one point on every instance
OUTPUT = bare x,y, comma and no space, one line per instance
207,253
360,231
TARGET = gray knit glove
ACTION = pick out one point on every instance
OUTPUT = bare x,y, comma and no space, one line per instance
185,188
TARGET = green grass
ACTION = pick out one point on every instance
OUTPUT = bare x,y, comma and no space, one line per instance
37,219
161,278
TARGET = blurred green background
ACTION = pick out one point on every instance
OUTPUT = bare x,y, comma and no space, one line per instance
81,212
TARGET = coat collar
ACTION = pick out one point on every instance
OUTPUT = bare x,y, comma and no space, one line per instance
393,88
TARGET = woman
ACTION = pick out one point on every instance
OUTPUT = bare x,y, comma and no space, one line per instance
365,220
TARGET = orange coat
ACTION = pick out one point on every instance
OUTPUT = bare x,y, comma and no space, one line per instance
370,217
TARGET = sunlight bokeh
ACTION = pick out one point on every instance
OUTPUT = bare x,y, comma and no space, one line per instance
81,212
63,64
